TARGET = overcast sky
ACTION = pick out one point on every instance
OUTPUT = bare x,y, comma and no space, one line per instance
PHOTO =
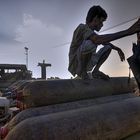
46,28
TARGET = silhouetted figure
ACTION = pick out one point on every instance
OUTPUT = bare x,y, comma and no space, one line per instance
134,60
83,56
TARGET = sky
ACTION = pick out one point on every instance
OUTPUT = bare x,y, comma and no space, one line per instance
46,28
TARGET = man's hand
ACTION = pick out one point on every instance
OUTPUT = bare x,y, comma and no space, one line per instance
138,38
135,27
120,52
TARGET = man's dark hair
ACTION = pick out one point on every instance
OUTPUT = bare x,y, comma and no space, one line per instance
95,11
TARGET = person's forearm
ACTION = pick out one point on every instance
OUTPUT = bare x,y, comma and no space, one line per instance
102,39
112,46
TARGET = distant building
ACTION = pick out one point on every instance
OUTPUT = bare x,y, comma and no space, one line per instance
10,73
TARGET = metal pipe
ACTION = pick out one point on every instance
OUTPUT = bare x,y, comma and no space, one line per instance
115,120
45,110
41,93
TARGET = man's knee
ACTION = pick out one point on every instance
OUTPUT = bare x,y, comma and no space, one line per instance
108,49
105,50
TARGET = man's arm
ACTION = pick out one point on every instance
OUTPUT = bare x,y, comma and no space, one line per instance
138,38
120,52
102,39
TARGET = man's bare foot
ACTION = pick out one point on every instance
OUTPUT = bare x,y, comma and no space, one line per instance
100,75
85,76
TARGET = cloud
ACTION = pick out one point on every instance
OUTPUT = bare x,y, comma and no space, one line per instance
35,30
8,39
41,38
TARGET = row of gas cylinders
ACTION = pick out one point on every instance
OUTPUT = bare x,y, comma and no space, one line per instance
75,110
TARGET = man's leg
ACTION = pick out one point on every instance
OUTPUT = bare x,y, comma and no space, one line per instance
101,60
85,58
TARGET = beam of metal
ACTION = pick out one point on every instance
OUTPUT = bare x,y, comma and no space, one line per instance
114,121
46,92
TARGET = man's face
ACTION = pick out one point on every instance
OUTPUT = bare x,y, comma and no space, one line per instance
97,23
